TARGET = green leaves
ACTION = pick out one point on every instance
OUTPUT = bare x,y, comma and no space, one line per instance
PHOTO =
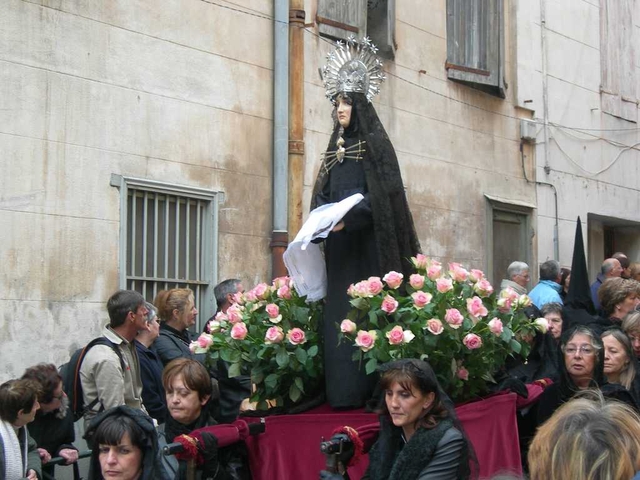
371,366
282,357
235,370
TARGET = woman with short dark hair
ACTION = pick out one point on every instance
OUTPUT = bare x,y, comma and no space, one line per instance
124,446
19,456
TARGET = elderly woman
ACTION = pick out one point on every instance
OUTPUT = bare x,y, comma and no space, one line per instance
188,389
620,364
52,429
19,456
177,312
587,439
420,436
124,446
618,296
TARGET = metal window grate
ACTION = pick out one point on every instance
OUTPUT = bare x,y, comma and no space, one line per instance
168,239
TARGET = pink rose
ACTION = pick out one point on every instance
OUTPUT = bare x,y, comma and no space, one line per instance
221,317
193,346
524,301
495,326
510,294
504,305
541,324
454,318
262,291
476,275
435,270
416,281
389,304
214,326
395,335
476,308
375,285
435,326
366,340
458,273
284,292
420,261
234,313
420,298
272,310
462,374
238,298
280,282
361,290
444,285
239,331
347,326
250,296
274,335
483,287
393,279
205,340
472,341
296,336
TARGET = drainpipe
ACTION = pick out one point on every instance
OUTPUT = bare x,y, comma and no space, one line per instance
279,236
296,114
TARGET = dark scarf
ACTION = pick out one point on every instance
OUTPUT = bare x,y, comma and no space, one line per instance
389,459
396,239
174,428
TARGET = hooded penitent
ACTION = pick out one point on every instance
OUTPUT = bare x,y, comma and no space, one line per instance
379,235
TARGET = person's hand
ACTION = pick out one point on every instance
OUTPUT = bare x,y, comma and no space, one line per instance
338,227
209,450
44,455
32,475
324,475
69,454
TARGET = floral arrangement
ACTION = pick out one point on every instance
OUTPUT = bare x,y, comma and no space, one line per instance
270,333
453,319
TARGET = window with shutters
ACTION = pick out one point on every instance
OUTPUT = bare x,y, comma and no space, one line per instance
168,239
618,92
475,44
338,19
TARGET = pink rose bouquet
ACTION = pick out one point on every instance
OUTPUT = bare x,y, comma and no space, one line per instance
451,317
270,334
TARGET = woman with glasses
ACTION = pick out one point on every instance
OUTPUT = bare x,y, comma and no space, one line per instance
581,367
52,428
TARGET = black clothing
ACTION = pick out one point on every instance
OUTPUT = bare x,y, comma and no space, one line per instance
172,344
152,467
153,395
53,434
233,459
378,237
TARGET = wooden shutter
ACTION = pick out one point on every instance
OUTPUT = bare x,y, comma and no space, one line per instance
340,18
618,93
381,26
475,44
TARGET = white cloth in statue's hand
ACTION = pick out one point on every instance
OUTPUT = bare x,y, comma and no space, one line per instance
303,259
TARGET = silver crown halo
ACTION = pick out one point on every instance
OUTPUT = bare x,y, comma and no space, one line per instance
353,67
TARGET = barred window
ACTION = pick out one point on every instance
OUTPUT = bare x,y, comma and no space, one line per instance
168,239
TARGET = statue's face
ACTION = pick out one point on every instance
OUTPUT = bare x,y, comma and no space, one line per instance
344,112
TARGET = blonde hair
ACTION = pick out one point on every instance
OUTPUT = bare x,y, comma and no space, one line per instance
587,438
167,301
631,323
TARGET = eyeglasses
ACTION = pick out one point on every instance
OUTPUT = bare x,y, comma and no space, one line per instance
585,350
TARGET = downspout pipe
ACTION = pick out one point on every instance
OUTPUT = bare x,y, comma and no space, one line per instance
279,235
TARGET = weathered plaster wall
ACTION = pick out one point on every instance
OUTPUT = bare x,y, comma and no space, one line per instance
178,92
451,154
583,165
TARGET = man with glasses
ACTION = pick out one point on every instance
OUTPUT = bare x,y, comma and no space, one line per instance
102,374
517,278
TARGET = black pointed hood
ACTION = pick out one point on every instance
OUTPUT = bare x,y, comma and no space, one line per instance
579,295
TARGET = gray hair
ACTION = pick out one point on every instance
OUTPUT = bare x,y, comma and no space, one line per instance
516,268
550,270
224,288
551,307
628,375
153,311
608,265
